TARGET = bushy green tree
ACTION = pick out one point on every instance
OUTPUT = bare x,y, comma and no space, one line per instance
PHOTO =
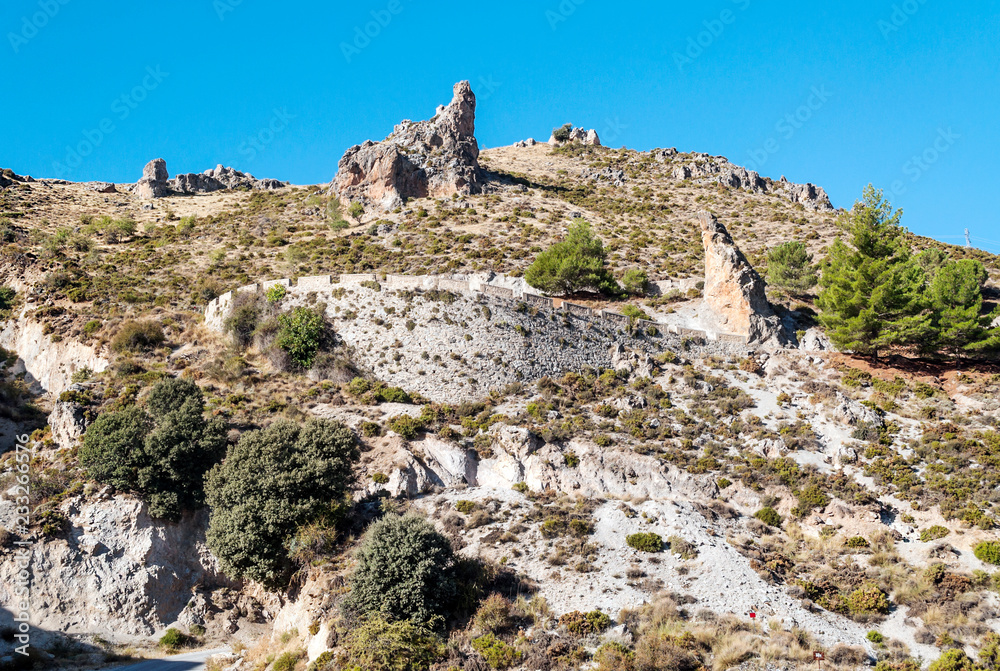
873,291
272,482
956,296
406,570
635,281
160,452
575,264
300,335
562,133
790,267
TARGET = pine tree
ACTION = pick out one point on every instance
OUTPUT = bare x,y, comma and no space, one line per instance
575,264
789,267
956,295
873,290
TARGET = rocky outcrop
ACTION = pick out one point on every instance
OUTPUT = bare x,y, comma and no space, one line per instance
219,179
48,365
100,187
608,175
576,135
154,180
117,573
707,168
733,289
67,421
420,467
435,158
9,178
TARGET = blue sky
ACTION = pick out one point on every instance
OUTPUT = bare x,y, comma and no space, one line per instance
903,94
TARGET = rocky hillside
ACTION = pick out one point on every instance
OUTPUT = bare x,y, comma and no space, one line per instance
623,478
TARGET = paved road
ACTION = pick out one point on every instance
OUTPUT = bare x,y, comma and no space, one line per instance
191,661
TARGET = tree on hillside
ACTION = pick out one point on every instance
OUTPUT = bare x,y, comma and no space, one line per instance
406,570
956,296
789,267
160,452
273,482
575,264
873,291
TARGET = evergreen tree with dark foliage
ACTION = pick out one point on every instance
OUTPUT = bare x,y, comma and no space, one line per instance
873,290
956,295
406,571
273,482
160,452
790,267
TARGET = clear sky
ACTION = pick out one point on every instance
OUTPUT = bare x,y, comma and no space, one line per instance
901,93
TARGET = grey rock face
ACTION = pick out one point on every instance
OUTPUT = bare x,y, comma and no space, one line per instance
439,157
154,180
101,187
221,178
68,423
707,168
579,135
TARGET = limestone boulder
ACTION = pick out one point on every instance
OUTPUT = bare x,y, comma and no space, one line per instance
734,290
67,422
154,180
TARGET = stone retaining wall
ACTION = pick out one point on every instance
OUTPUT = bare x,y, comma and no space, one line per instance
456,349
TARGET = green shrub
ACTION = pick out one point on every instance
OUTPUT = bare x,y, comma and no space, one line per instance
498,655
987,551
371,429
768,516
875,637
405,570
857,542
300,335
635,282
356,209
272,482
868,599
380,478
682,548
7,297
582,624
407,427
645,542
140,336
575,264
571,459
161,453
172,639
953,660
934,533
379,644
493,615
634,314
287,661
613,656
276,293
465,507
